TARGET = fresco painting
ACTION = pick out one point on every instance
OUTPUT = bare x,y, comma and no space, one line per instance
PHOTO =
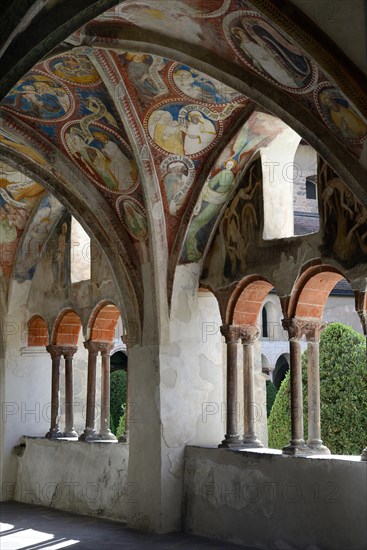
143,71
179,174
18,195
74,69
48,213
186,129
267,51
133,218
101,154
339,115
200,87
40,97
238,230
258,131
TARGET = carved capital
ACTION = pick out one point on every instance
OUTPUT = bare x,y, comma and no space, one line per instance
249,334
94,347
231,333
297,328
312,330
293,327
68,351
55,351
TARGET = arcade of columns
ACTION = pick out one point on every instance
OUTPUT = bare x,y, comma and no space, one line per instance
247,334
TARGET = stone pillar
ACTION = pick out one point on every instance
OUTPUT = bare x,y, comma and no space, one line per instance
68,353
231,439
105,432
249,334
55,352
297,444
89,433
312,331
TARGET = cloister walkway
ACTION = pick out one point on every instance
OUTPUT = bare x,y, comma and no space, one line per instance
28,527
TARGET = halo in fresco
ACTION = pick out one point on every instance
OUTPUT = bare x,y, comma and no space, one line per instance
74,69
198,86
133,217
183,129
338,114
268,52
102,155
39,97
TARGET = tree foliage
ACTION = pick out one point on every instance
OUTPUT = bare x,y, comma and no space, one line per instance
118,398
343,394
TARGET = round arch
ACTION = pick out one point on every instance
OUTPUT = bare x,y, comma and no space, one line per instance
281,369
37,331
103,321
66,328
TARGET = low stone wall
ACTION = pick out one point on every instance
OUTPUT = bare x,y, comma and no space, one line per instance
85,478
270,501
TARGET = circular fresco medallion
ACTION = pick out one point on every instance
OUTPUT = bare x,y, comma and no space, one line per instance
74,69
338,114
102,155
40,97
198,86
133,217
181,129
269,53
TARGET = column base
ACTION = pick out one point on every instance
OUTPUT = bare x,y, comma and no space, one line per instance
54,434
71,434
251,442
364,455
296,448
108,436
89,435
317,448
231,442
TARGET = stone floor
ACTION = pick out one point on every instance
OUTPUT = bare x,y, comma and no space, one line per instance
27,527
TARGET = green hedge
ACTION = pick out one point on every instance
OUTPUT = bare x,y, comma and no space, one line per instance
343,392
118,398
271,393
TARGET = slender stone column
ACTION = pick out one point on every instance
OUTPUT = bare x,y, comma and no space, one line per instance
249,335
105,432
297,444
68,353
55,352
231,439
89,433
312,331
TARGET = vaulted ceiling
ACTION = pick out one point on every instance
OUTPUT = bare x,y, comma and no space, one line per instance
132,120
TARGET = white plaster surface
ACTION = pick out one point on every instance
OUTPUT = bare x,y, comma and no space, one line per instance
85,478
269,501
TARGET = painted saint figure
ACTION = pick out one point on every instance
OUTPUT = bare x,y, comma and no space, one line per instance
213,196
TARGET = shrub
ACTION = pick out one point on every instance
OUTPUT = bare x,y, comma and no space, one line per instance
122,422
271,393
343,394
118,397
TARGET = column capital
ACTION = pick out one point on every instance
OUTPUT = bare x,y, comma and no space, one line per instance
68,351
94,347
313,329
54,350
249,334
294,328
310,328
231,333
